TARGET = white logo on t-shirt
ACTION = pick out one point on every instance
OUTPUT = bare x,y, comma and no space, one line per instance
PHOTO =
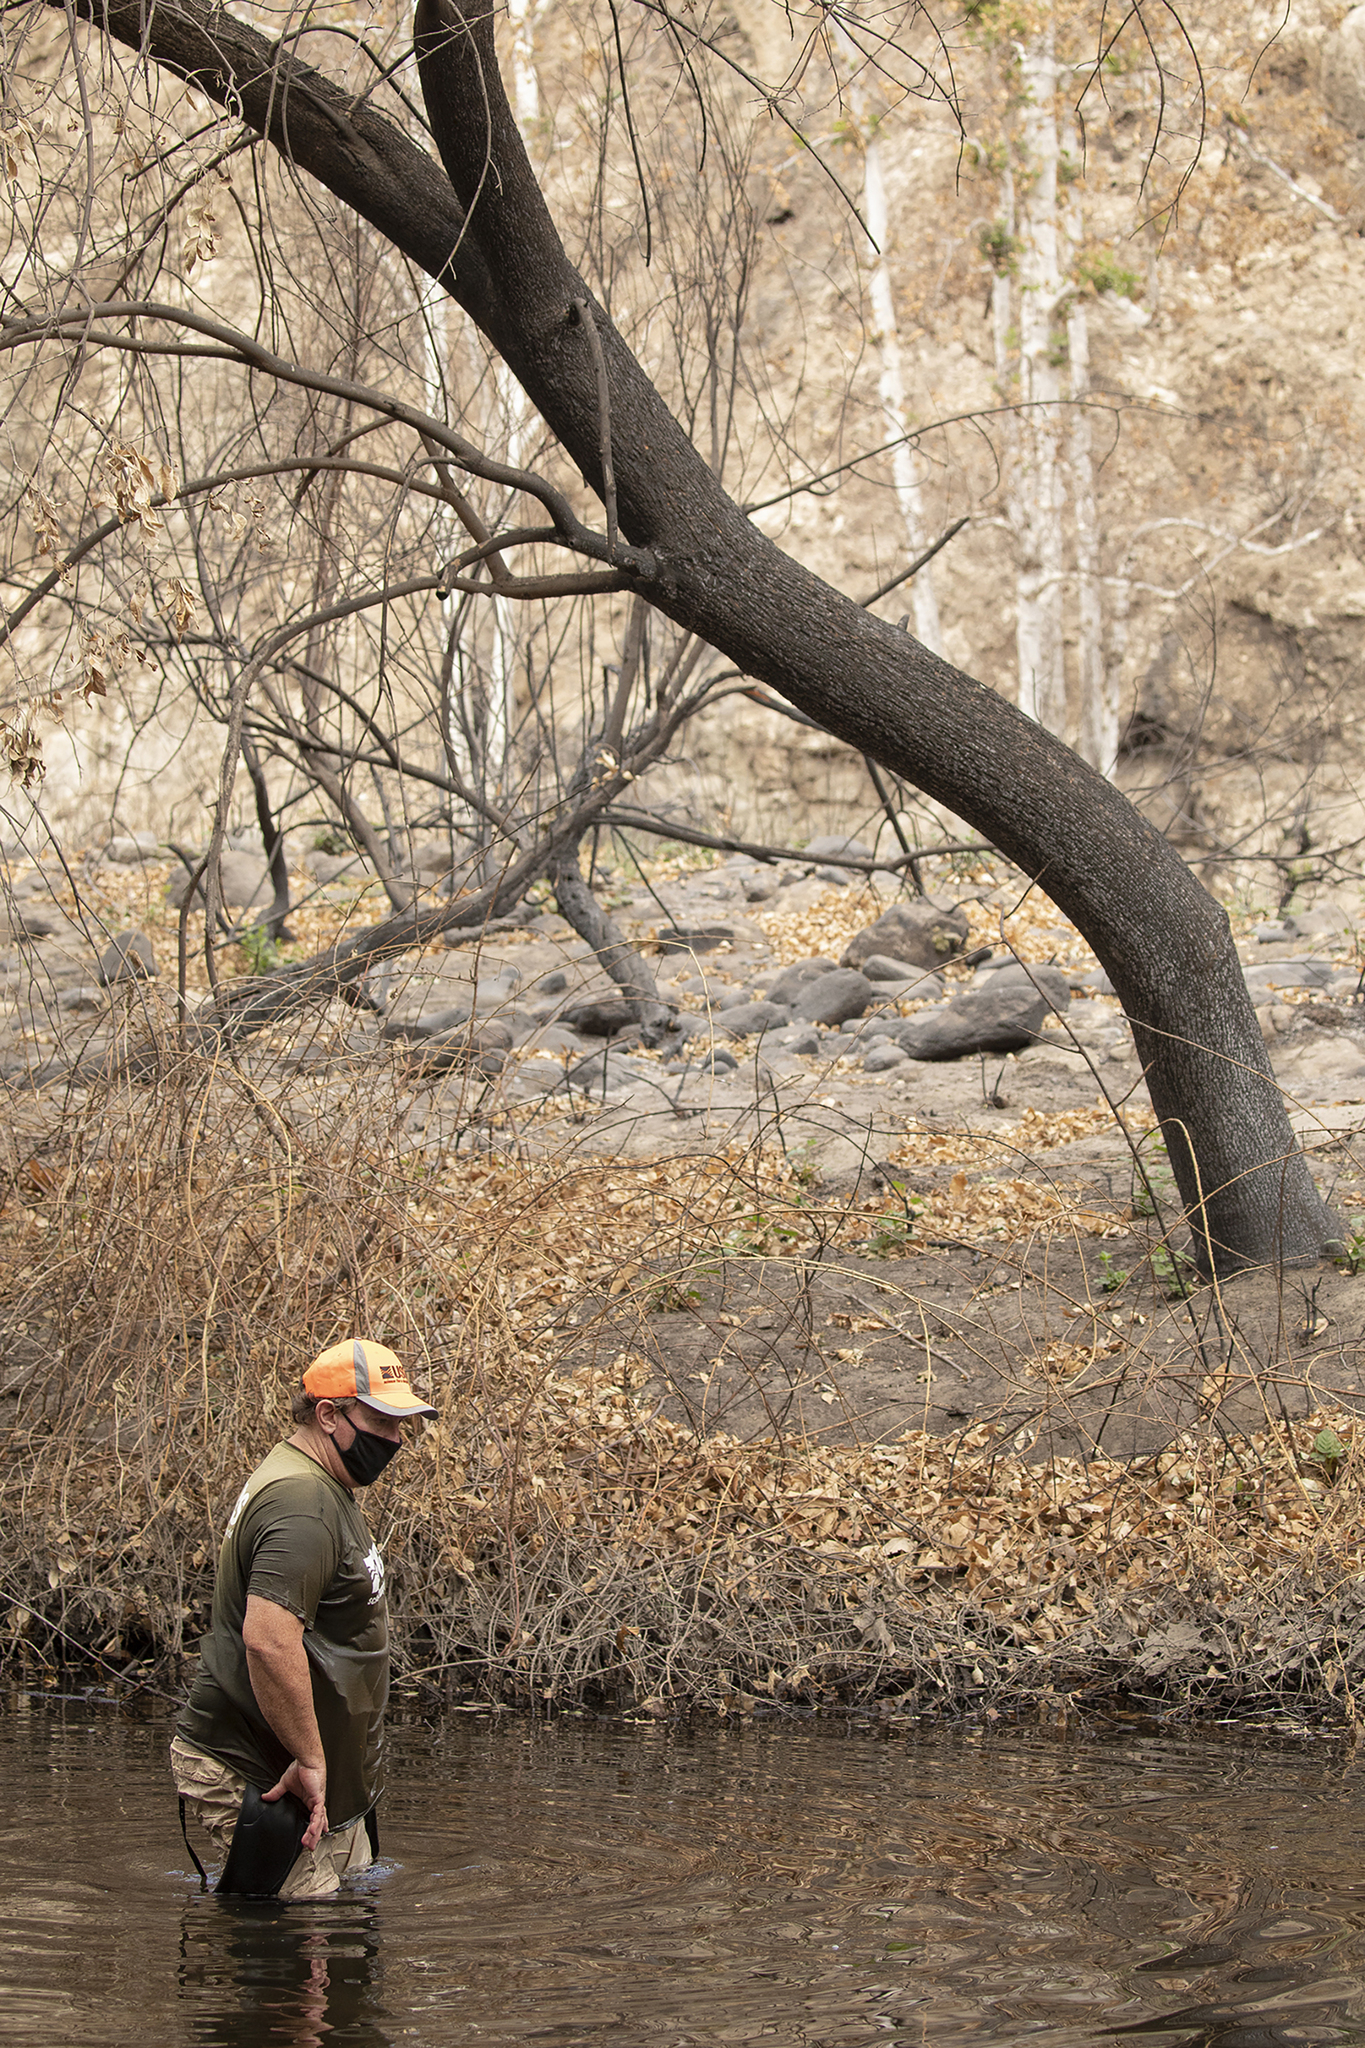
233,1519
374,1565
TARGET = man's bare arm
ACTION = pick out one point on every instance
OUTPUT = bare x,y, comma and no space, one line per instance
277,1664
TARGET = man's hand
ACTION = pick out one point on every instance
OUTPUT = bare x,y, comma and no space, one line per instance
278,1666
308,1783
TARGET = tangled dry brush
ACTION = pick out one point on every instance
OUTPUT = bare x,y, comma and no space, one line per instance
563,1534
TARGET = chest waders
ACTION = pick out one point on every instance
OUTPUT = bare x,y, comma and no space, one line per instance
265,1845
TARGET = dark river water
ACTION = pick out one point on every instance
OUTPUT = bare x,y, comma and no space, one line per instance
616,1884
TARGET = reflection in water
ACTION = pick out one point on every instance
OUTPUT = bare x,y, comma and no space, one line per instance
632,1886
251,1973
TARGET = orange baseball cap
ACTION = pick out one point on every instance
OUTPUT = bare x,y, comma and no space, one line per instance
363,1371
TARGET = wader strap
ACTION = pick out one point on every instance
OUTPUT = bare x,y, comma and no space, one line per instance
203,1874
372,1831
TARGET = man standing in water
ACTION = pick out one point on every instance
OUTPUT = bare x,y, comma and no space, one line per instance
294,1672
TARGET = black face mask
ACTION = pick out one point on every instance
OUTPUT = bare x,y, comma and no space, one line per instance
368,1454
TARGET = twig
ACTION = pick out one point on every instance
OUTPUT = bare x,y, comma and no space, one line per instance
664,828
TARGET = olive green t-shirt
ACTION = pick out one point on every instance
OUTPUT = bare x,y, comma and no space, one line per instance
297,1537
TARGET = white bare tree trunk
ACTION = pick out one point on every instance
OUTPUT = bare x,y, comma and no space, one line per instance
1099,715
1098,739
515,420
1036,509
905,463
891,392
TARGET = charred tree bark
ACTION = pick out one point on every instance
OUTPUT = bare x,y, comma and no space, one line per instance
486,233
276,919
624,962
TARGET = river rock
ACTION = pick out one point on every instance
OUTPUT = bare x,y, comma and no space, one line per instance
923,988
919,932
606,1069
793,979
1054,983
483,1049
436,1025
882,967
883,1055
986,1020
833,843
1304,972
694,938
1315,924
19,922
831,998
743,1019
799,1039
81,1001
244,877
603,1017
127,957
129,851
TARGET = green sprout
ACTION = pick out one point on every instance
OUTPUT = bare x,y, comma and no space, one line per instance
262,954
1112,1277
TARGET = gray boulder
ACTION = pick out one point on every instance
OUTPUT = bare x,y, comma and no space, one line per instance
603,1018
882,967
552,1038
985,1020
799,1039
1304,972
128,957
128,852
683,1026
1054,983
925,988
884,1055
436,1025
742,1020
81,1001
793,979
832,998
483,1049
834,843
245,880
1316,924
337,867
495,994
919,932
838,878
604,1070
20,922
694,938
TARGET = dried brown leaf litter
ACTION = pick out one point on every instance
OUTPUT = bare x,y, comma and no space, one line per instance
561,1533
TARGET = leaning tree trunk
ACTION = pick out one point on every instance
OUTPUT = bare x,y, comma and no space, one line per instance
624,962
1165,942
